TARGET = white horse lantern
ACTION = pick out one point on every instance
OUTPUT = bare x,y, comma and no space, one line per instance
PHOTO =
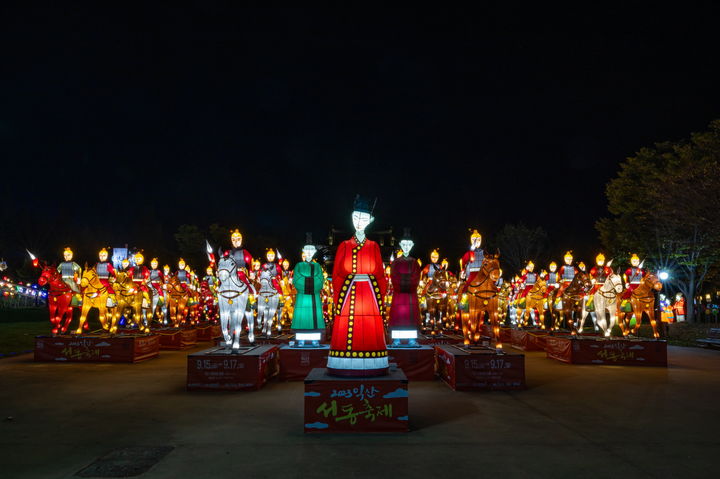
232,296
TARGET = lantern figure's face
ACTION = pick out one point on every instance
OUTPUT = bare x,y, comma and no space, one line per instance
286,264
600,259
406,245
434,256
568,259
154,264
361,220
139,259
678,297
444,264
530,266
181,264
68,254
553,267
635,261
209,271
166,269
475,239
125,263
103,255
387,270
270,256
308,252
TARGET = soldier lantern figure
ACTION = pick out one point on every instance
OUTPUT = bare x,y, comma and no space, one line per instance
308,279
405,309
358,338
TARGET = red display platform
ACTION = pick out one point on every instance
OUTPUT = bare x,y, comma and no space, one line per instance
418,364
432,340
218,369
505,333
480,369
105,348
296,363
528,339
614,351
334,404
208,332
176,338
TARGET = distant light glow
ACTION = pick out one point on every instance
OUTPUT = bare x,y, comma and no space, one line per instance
663,275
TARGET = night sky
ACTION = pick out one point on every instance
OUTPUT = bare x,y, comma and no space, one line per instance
118,126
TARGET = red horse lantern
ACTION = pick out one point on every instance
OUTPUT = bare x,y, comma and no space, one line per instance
59,297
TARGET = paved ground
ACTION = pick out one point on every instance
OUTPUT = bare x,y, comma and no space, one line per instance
572,421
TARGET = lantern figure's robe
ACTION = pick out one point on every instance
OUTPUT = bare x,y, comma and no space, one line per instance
358,344
405,309
308,280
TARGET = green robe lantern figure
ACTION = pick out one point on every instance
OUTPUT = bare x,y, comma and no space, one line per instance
308,279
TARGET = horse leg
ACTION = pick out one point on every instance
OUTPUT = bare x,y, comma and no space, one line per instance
83,316
465,321
650,311
235,323
612,312
250,322
224,320
495,326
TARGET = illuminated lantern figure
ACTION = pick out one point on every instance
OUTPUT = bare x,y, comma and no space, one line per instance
157,282
208,303
679,307
308,280
531,289
105,271
472,260
59,295
358,337
178,294
269,292
140,275
233,295
70,271
633,277
567,273
242,257
405,308
166,281
288,302
598,275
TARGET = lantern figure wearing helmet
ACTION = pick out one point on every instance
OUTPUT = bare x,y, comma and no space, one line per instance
183,275
140,275
567,273
105,271
633,277
599,273
552,279
271,270
70,271
472,260
528,279
428,272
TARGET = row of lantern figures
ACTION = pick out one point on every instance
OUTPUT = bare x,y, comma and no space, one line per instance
141,295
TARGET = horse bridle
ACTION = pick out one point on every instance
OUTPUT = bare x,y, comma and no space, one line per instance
477,285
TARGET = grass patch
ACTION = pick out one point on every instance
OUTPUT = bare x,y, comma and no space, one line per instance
686,334
18,327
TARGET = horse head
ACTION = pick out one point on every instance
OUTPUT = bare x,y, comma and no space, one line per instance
653,282
226,266
89,278
614,282
49,274
491,265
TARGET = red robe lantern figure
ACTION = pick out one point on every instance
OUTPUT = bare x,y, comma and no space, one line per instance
357,348
105,271
528,279
140,275
405,308
567,273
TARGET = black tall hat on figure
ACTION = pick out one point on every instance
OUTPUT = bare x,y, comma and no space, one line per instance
308,239
406,234
364,205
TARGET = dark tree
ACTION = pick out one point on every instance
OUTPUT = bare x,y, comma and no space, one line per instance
519,244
